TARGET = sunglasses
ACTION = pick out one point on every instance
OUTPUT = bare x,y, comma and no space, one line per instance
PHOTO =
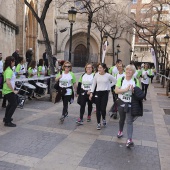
67,66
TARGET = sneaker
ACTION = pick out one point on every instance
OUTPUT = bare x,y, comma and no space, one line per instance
5,119
62,117
3,106
79,121
111,114
120,134
88,118
104,122
129,143
98,126
10,124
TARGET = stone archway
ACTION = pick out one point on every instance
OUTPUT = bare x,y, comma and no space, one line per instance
80,54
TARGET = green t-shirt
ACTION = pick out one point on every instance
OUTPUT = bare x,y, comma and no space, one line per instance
39,70
8,74
18,68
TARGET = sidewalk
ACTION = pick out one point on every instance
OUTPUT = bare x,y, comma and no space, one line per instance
41,142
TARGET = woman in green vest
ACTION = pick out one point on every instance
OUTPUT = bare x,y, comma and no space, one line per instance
8,91
41,69
20,69
32,73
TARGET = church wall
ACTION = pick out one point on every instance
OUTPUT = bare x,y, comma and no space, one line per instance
8,37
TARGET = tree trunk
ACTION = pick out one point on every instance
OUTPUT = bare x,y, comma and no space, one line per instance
88,37
50,58
113,49
101,45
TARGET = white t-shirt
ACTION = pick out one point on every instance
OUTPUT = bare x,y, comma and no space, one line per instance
66,81
104,82
114,71
13,80
152,72
1,66
127,96
34,72
135,74
145,79
43,71
119,76
22,71
87,81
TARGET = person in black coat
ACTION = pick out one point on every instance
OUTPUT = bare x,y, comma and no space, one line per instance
137,102
16,56
45,58
29,55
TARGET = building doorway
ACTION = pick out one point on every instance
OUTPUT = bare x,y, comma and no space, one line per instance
80,54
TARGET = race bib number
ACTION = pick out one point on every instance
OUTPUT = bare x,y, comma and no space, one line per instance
86,86
64,83
127,97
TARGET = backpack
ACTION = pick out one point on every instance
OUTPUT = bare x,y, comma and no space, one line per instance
124,78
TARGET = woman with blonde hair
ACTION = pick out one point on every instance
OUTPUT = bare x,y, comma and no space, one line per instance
67,81
124,89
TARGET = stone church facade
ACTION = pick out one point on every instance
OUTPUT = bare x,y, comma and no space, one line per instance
19,29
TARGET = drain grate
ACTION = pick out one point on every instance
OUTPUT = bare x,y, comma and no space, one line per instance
167,111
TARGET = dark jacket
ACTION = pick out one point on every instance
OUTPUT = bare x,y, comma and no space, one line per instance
61,93
137,102
45,59
16,56
29,55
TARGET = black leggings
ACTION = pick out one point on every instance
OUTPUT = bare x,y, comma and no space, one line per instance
152,78
12,105
65,99
145,88
101,99
84,99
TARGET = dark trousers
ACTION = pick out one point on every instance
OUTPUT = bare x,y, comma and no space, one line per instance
12,105
101,99
4,101
84,100
145,88
65,99
152,78
129,120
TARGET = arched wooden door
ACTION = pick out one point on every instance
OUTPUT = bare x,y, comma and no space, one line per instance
80,54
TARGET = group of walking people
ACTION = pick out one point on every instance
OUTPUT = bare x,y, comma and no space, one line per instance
93,86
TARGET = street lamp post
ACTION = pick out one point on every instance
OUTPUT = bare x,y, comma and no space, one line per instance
117,53
105,36
131,51
72,18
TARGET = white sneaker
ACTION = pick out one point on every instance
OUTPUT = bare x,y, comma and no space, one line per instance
98,126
